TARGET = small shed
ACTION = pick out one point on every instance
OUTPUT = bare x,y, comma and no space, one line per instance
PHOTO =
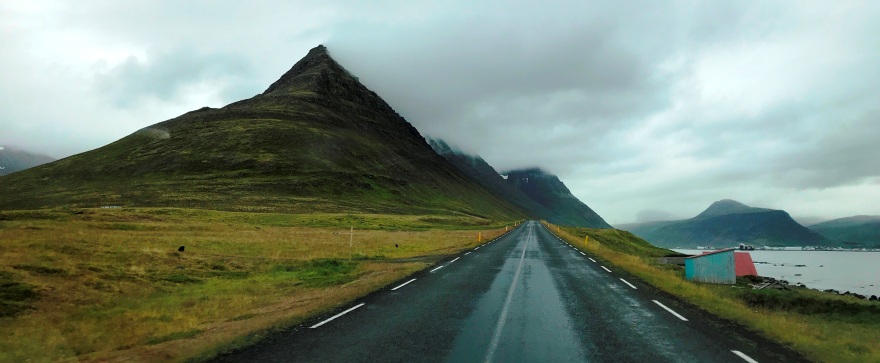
716,267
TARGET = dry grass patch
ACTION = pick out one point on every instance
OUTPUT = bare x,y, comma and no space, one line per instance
111,285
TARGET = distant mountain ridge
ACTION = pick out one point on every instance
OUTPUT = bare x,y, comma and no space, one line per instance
317,140
544,196
13,160
851,232
727,223
726,207
484,174
548,191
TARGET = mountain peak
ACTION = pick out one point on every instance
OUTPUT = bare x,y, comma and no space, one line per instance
727,206
310,69
317,78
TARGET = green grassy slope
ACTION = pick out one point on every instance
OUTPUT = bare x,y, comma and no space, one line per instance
316,140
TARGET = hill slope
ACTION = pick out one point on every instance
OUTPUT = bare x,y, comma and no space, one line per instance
13,160
857,231
315,140
728,223
549,192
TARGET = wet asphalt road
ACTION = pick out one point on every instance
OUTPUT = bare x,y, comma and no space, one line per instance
525,297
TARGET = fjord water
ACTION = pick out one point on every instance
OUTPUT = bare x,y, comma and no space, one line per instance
857,272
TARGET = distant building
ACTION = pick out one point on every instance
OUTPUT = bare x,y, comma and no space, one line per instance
718,267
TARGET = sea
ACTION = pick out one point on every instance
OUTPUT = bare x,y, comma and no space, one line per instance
853,271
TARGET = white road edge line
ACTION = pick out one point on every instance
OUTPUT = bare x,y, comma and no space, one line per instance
584,254
627,282
467,253
456,259
403,284
592,259
438,267
336,316
605,268
744,356
478,247
669,310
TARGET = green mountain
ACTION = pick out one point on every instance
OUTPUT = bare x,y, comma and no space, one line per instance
549,192
13,160
315,140
727,223
479,170
727,207
852,232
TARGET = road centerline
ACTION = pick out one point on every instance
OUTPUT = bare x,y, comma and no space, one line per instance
496,338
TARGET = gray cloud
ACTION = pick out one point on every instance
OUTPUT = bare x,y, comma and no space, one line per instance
845,153
167,75
653,215
635,105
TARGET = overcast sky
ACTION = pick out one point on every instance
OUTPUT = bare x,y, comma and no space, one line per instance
644,109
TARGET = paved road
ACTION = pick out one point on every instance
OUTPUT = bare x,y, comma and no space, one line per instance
525,297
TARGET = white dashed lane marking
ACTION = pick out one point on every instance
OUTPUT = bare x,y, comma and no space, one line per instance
627,282
403,284
670,310
605,268
336,316
744,356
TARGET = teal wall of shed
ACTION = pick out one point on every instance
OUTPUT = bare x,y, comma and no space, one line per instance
716,268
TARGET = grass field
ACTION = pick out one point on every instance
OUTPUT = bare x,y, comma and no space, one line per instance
824,327
110,284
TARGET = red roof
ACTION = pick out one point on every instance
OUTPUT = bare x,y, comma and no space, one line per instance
744,264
